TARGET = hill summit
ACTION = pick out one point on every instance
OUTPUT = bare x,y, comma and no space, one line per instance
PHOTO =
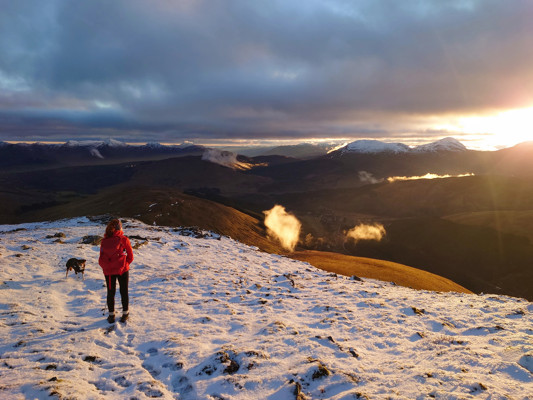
214,318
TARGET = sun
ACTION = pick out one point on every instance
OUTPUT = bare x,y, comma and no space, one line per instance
504,129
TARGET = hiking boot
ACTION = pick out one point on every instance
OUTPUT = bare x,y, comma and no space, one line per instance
124,318
111,319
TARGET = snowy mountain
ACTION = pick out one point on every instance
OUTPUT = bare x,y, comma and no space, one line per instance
376,146
95,143
212,318
87,152
446,144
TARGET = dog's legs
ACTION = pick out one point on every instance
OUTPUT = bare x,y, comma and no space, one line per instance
66,274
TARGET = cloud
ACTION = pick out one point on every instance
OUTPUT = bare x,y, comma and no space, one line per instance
368,178
96,153
426,176
225,158
187,69
366,232
283,226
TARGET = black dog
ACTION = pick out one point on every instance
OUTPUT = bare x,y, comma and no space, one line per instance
76,264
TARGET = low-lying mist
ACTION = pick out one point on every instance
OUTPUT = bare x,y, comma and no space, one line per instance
369,178
283,226
366,232
426,176
225,158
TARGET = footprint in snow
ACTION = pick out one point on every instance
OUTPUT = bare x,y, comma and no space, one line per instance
102,344
149,390
152,370
122,381
182,385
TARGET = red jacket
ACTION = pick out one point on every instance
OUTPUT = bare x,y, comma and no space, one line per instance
116,254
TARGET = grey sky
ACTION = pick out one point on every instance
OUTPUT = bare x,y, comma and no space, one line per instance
171,70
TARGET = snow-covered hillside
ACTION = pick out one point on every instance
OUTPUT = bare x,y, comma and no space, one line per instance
446,144
376,146
212,318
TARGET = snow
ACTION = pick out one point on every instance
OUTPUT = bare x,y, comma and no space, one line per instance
376,146
212,318
83,143
446,144
114,143
95,143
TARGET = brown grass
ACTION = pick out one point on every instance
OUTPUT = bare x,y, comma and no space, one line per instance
378,269
170,207
164,207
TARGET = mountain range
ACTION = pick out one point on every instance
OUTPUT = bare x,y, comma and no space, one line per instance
376,146
470,224
34,156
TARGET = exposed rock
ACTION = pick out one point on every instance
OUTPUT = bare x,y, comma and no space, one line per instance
418,311
232,367
57,235
95,240
321,372
197,233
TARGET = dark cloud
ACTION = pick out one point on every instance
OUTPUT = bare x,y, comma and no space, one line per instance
192,68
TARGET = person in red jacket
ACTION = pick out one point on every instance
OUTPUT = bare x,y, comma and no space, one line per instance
115,258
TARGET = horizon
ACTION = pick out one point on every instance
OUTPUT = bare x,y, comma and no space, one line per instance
283,71
235,145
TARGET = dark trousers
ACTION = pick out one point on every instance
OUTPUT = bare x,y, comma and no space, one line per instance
111,284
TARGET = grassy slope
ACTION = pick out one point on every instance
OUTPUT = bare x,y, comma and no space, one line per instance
378,269
168,207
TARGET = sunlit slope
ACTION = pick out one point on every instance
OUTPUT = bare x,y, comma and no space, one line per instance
164,206
378,269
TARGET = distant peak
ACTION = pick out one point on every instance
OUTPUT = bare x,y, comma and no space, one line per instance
95,143
375,146
114,143
446,144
